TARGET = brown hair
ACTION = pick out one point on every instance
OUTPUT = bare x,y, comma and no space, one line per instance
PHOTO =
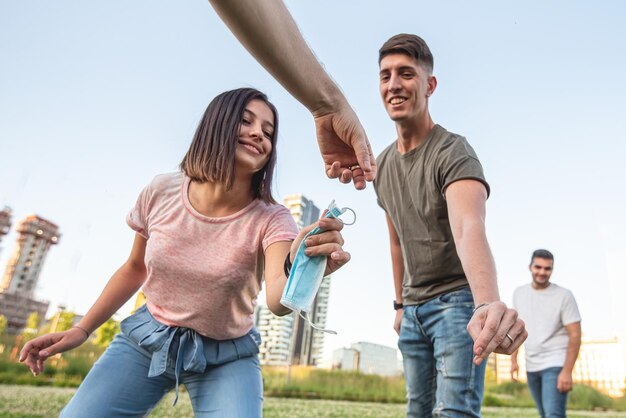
545,254
411,45
211,155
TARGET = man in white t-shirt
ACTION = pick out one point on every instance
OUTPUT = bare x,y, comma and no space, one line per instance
553,323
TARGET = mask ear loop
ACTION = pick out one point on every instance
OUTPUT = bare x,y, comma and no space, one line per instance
343,210
302,314
306,318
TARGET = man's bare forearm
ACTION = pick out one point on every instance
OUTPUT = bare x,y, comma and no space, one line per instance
573,346
270,34
478,263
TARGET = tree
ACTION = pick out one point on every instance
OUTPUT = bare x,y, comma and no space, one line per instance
3,324
66,321
106,332
32,326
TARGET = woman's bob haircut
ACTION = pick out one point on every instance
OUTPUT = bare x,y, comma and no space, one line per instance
211,155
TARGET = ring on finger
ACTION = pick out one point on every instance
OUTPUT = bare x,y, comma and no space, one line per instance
354,167
510,338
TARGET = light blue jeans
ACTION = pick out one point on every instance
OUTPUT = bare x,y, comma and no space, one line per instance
437,351
148,359
549,401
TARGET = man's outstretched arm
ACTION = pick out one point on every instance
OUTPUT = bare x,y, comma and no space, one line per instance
270,34
494,326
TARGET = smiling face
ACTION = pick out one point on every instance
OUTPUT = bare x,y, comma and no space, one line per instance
541,270
405,86
254,144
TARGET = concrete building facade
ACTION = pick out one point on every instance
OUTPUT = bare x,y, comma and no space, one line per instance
368,358
276,337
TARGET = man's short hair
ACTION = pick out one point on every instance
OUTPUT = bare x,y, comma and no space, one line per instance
411,45
545,254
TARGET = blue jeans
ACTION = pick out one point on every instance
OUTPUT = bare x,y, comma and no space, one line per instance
549,401
437,350
148,359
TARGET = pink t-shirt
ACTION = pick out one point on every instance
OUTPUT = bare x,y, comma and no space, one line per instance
204,273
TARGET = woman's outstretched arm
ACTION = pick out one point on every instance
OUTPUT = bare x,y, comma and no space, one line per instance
121,287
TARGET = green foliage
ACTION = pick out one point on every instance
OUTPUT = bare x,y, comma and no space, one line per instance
492,400
106,332
332,384
302,382
66,321
3,324
32,326
587,398
31,402
620,403
33,321
510,388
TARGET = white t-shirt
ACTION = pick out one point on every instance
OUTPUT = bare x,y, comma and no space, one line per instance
546,312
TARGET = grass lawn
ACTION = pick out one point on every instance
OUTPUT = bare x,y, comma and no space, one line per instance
47,402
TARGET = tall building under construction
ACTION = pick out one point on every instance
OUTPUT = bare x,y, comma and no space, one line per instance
17,289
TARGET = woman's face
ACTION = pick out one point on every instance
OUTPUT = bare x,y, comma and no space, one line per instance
254,145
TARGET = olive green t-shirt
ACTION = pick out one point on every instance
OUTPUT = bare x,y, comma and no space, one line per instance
410,188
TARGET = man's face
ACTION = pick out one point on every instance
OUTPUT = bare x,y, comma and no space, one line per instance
405,86
541,270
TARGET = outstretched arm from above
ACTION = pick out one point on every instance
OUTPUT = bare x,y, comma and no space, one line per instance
493,326
270,34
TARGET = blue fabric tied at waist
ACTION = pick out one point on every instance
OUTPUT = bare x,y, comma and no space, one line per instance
188,350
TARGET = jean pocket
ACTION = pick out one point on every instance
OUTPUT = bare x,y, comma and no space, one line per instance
459,296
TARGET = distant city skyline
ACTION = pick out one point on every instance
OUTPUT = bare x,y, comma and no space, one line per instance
98,98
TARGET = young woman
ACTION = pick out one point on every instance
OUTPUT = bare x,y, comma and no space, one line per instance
205,239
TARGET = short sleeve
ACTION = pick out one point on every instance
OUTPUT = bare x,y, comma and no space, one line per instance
569,310
281,227
137,217
378,197
515,298
458,161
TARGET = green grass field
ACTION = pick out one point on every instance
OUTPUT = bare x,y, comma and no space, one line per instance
46,402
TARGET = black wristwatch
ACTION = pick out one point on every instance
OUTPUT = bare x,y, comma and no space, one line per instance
397,305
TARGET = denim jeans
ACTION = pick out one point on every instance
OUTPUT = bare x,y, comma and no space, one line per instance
148,359
437,351
549,401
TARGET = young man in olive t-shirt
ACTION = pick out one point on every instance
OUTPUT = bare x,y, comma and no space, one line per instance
431,185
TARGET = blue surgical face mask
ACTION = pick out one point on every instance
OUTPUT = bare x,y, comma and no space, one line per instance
307,273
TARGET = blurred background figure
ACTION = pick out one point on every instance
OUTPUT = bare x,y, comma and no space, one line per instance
553,324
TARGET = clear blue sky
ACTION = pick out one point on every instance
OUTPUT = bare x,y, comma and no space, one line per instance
97,98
